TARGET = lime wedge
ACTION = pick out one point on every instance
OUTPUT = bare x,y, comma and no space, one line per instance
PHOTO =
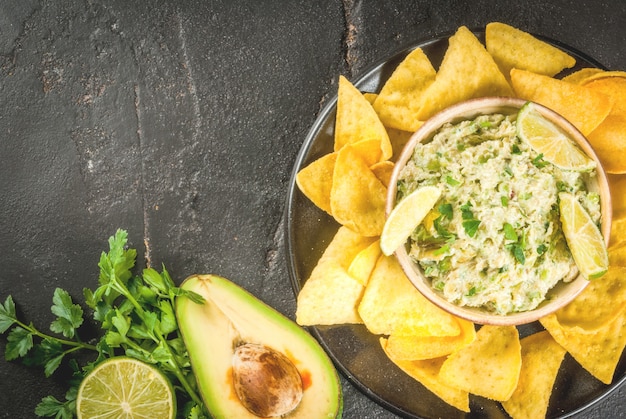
123,387
583,238
546,138
406,216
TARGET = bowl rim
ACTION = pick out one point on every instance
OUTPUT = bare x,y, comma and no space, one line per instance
470,109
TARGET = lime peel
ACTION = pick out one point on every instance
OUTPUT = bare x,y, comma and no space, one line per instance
125,387
583,238
406,216
547,139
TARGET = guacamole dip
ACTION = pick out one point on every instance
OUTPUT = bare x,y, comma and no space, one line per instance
494,239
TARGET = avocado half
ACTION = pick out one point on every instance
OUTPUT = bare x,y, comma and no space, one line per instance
231,316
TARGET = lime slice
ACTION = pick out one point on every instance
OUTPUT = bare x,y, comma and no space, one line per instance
546,138
123,387
406,216
583,238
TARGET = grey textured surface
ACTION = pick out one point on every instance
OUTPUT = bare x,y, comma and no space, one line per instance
180,121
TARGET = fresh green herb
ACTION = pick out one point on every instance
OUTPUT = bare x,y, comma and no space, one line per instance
541,249
445,210
509,232
451,181
516,242
515,149
136,315
504,200
470,224
539,162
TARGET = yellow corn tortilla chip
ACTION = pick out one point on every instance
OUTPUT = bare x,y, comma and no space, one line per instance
617,255
582,106
368,150
598,351
330,295
614,87
357,197
316,180
609,142
513,48
364,262
541,360
400,98
467,71
383,171
356,120
370,97
582,75
618,227
427,373
590,310
391,304
617,184
416,348
398,139
489,366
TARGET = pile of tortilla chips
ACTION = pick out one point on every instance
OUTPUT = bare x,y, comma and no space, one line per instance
354,282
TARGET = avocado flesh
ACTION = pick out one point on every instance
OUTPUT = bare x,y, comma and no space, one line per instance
231,316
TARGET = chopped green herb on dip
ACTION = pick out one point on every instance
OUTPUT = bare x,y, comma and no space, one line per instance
494,239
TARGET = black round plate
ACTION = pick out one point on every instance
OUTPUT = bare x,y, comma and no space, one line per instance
355,351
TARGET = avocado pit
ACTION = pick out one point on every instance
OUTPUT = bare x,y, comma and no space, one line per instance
267,383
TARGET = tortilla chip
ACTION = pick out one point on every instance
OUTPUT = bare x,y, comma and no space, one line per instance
370,97
356,120
415,348
598,351
400,98
513,48
368,150
467,71
618,227
427,373
316,180
609,142
357,197
617,255
364,262
614,87
331,295
383,170
398,140
489,366
590,310
582,106
541,360
391,304
617,185
582,75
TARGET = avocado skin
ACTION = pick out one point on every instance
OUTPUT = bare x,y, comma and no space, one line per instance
231,316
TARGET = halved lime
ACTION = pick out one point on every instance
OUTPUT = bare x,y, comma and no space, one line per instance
127,388
406,216
583,237
546,138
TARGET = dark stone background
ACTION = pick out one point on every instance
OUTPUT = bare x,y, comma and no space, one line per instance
180,121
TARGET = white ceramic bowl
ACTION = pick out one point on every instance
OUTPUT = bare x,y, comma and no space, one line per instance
562,293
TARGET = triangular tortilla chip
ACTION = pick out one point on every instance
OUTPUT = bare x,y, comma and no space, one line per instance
391,304
400,98
617,185
364,263
608,140
416,348
316,180
513,48
582,75
582,106
599,351
541,360
357,197
489,366
331,295
467,71
615,88
427,373
356,120
590,310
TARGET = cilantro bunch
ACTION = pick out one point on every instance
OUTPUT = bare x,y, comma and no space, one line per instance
137,317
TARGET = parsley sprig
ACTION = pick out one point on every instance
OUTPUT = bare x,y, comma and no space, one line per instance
136,315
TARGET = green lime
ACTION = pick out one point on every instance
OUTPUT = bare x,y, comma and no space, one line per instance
126,388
